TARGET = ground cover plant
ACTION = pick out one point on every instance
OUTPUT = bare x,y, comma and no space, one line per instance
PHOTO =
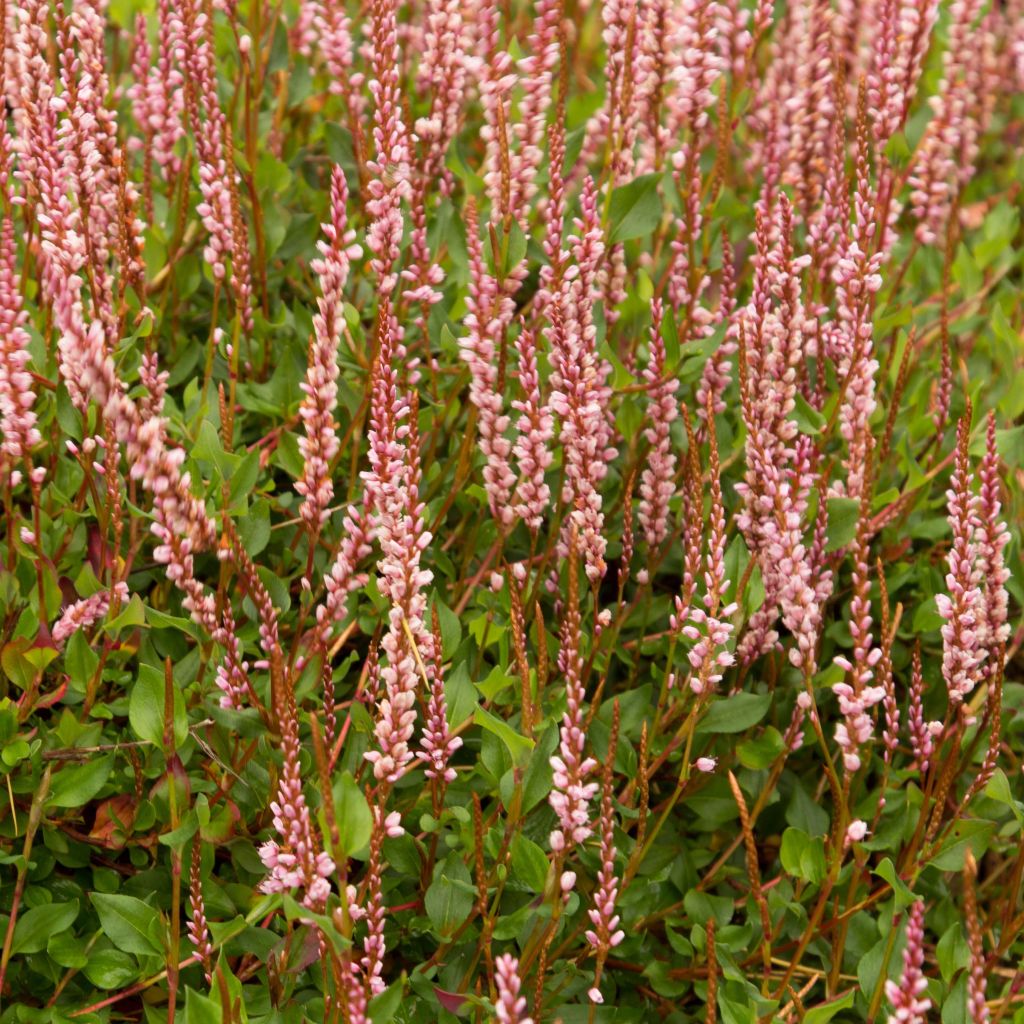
511,512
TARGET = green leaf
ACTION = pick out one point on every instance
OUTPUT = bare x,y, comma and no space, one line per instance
965,835
496,681
449,900
384,1007
657,973
806,417
529,863
515,247
869,967
460,694
803,856
14,752
762,751
110,968
200,1009
183,833
254,527
132,615
80,660
75,786
244,477
826,1011
451,628
67,950
518,746
537,778
702,907
37,926
129,923
635,208
806,814
998,789
338,141
146,708
887,872
926,617
208,448
1003,329
898,153
352,813
735,713
954,1008
843,517
952,952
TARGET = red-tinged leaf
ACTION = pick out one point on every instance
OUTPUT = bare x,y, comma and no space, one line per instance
114,819
453,1002
53,698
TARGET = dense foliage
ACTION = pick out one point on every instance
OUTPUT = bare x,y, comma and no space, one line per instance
511,511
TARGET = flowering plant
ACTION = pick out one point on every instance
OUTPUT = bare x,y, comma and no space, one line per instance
511,512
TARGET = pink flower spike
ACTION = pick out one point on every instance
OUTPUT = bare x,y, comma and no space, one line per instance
963,608
657,479
571,793
390,166
906,996
82,614
17,397
510,1007
320,443
532,449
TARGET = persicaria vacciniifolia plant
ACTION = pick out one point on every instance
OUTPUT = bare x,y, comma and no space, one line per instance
511,512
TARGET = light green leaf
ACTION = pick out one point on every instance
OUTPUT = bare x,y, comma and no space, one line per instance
529,863
495,682
129,923
146,708
200,1009
843,517
806,417
37,926
80,661
735,713
887,871
110,968
826,1011
518,746
803,856
449,900
352,813
132,615
460,694
74,786
451,629
635,208
384,1007
965,835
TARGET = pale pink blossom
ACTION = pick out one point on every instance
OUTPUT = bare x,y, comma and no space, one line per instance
906,995
571,793
511,1005
535,427
580,395
320,444
295,859
17,396
82,614
390,166
963,607
657,479
489,312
